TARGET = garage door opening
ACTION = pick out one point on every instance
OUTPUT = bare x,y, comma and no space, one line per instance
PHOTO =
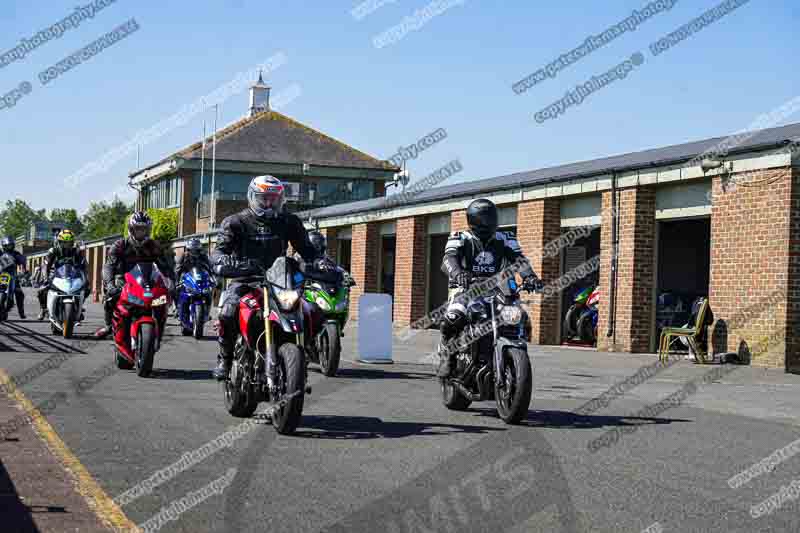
579,314
683,270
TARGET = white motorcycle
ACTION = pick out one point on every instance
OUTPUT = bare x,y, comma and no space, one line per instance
65,300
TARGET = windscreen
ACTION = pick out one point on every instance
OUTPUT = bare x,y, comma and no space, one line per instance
146,274
67,272
284,273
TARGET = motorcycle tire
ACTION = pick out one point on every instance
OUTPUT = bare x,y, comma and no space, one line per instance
68,327
330,349
514,399
239,398
452,397
292,366
586,329
197,321
145,350
3,310
569,327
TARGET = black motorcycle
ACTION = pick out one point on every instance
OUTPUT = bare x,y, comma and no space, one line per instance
492,362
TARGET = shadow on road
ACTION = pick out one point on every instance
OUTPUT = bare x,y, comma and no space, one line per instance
566,419
18,338
175,373
369,373
362,427
14,515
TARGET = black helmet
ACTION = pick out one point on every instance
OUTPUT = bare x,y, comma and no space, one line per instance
482,218
139,227
194,247
318,242
8,244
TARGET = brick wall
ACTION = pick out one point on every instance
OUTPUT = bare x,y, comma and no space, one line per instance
635,271
410,262
458,220
187,217
539,222
364,262
755,242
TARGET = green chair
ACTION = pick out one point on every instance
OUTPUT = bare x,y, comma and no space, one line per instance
670,335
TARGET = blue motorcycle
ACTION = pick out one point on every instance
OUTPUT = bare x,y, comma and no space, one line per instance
194,301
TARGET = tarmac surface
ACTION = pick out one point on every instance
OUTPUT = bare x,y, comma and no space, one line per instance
377,451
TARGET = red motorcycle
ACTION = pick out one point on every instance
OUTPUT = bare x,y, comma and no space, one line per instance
140,318
271,331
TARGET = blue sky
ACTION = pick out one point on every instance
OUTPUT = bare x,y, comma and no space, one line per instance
455,72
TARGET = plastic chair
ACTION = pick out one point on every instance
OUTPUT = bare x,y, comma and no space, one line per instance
670,335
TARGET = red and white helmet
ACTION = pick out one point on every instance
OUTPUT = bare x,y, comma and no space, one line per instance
265,195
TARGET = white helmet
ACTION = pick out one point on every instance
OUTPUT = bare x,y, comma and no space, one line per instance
265,196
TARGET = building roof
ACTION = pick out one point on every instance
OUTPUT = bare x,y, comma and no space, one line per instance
272,137
671,155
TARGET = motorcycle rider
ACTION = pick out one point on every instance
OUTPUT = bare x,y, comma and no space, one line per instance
322,261
8,245
480,252
248,243
63,252
123,255
193,257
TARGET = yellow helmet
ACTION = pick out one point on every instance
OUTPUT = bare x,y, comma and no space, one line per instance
66,239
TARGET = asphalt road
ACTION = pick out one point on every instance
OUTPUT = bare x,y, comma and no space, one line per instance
377,451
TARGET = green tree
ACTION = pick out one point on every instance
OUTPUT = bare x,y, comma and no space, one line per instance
70,219
105,219
17,216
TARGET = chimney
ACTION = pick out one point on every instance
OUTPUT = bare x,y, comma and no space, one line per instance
259,97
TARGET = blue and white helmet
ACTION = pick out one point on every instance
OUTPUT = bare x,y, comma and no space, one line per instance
265,196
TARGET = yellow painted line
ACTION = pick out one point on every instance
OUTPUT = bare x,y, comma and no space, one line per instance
99,501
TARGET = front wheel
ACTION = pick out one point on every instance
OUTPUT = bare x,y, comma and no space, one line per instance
68,325
586,328
197,321
3,309
514,397
330,349
145,350
292,380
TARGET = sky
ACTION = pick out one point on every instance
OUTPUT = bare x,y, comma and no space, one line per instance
454,70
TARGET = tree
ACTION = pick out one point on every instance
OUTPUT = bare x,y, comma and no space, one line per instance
17,216
70,219
104,220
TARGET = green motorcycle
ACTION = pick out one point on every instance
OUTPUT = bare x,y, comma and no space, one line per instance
327,299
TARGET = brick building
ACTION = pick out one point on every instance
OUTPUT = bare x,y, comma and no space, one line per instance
318,170
685,221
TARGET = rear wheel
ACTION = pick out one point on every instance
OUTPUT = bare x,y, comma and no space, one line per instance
330,349
145,350
68,325
239,394
452,397
514,398
292,381
199,313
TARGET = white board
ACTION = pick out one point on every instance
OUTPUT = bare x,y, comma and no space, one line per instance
375,328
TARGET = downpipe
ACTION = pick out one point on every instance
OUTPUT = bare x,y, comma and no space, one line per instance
612,281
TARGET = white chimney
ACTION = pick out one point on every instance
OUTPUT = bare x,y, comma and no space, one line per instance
259,97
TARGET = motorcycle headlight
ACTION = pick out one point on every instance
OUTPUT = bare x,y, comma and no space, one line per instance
287,298
511,315
323,304
62,285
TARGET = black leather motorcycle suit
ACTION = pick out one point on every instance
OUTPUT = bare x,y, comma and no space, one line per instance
464,252
246,237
